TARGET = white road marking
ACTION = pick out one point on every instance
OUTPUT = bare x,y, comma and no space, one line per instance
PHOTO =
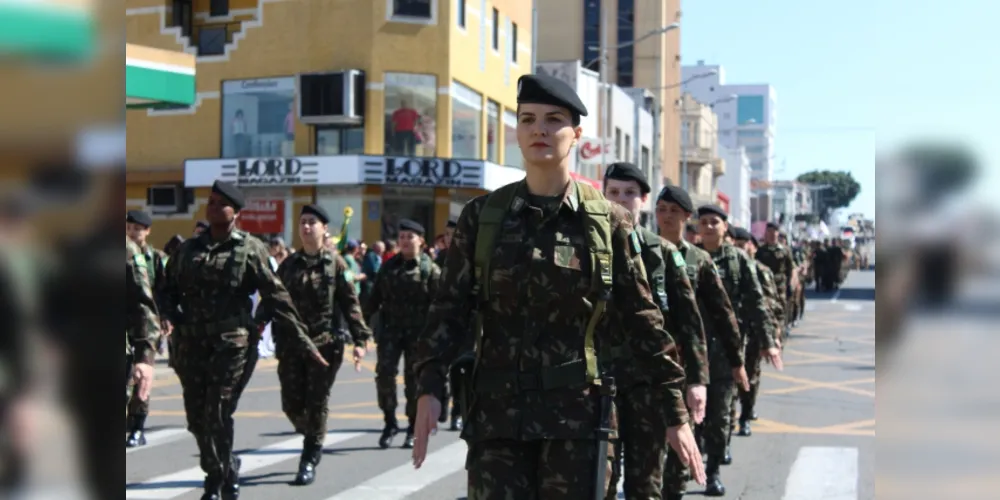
404,480
823,474
158,437
852,307
178,483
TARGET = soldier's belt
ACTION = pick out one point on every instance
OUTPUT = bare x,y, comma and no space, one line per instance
512,382
216,328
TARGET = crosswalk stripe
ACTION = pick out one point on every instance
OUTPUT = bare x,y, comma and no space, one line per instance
158,437
404,480
823,474
178,483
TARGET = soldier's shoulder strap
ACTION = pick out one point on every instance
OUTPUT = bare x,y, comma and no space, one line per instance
490,218
596,211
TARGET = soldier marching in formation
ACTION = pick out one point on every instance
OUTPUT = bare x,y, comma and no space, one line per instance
402,295
580,348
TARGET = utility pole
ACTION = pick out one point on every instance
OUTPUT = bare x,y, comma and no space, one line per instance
605,88
534,36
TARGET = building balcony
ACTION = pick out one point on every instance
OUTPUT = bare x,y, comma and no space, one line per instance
699,199
719,167
697,155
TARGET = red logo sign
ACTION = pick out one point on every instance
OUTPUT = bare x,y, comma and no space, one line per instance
589,150
263,217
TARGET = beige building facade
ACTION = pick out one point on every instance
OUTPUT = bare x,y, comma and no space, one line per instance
572,31
699,150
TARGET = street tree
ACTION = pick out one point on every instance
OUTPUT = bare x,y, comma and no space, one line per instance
841,190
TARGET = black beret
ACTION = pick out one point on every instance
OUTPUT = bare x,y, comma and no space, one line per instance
544,89
773,225
712,210
230,192
674,194
624,171
452,223
412,226
739,233
203,224
691,228
139,217
318,211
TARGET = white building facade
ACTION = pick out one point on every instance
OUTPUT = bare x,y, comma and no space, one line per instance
735,184
631,134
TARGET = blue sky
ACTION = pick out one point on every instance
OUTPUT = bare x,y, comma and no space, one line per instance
853,77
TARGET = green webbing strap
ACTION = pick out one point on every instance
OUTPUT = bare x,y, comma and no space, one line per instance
597,224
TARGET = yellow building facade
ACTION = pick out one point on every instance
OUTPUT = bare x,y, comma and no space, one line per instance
397,108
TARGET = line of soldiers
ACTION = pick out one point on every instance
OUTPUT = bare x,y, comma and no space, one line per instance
584,344
829,264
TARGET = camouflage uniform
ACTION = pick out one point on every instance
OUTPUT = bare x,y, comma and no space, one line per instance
641,434
319,290
143,323
748,399
532,426
402,296
778,258
138,410
722,332
745,294
207,294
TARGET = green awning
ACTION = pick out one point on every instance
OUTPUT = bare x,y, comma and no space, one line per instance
158,78
46,29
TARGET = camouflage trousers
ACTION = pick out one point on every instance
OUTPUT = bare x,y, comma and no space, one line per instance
136,407
748,399
305,389
532,470
715,428
391,347
642,440
213,373
675,473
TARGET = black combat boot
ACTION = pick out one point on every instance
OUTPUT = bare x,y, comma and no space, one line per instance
231,486
213,488
456,423
408,442
388,432
137,436
312,451
745,428
727,459
713,484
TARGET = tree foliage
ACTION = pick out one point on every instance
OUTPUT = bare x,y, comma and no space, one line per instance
842,190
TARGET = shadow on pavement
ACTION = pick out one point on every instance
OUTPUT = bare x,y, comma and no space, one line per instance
262,479
865,294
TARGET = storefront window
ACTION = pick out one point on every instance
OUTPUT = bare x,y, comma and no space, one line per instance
492,126
399,203
511,152
340,141
466,122
410,111
258,118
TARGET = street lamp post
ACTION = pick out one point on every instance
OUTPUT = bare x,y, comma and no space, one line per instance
603,70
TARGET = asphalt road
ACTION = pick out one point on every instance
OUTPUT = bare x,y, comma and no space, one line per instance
815,437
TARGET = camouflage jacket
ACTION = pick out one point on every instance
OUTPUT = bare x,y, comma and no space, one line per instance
441,257
534,321
722,331
403,292
208,288
779,259
319,289
737,271
667,275
143,328
774,301
158,271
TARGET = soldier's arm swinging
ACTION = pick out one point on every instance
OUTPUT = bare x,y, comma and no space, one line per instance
374,302
720,313
145,331
275,297
347,300
761,320
685,318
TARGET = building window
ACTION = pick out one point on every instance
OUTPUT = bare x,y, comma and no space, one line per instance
414,203
592,34
460,13
618,144
419,9
466,122
628,149
511,151
513,42
750,109
496,29
626,34
492,129
410,114
644,161
340,141
258,118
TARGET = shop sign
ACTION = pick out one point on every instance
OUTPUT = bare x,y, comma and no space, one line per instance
423,172
263,216
272,171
